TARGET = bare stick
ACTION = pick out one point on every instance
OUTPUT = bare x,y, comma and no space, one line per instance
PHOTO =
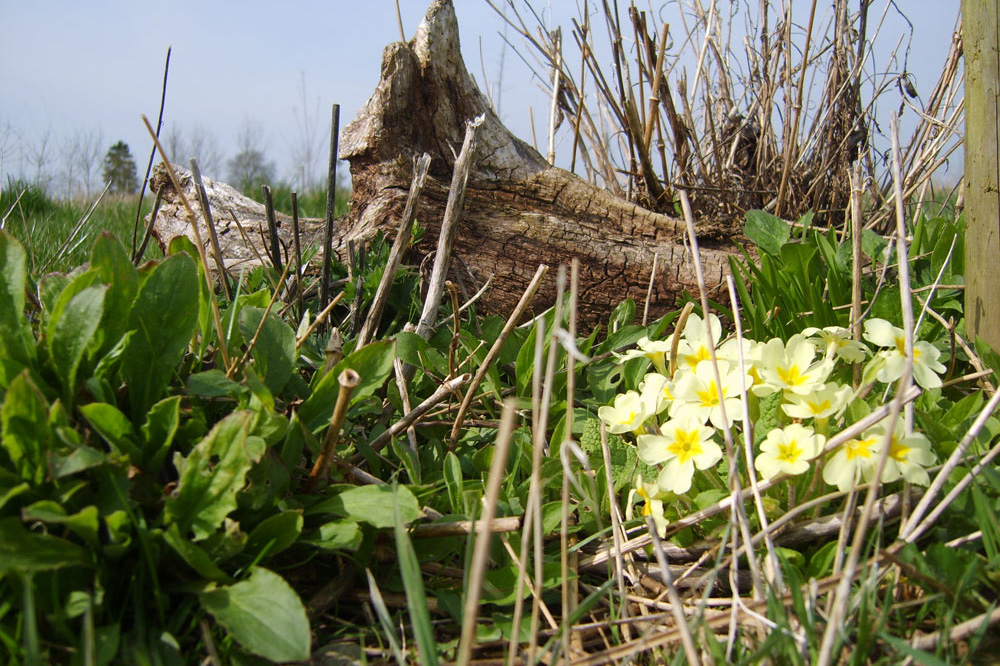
480,552
206,213
152,156
462,527
399,246
452,211
494,351
349,380
331,194
272,228
443,391
298,255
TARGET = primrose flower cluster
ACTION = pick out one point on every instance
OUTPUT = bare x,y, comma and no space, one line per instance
679,410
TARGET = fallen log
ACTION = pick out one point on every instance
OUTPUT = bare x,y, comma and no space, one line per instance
519,210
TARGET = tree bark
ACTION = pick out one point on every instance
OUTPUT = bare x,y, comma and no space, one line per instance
519,211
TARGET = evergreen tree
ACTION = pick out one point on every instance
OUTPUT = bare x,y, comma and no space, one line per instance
119,169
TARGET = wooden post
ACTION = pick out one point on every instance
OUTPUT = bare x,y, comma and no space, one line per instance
980,21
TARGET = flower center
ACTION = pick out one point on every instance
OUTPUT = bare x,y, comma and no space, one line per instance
789,452
818,407
686,445
898,450
710,395
859,448
791,376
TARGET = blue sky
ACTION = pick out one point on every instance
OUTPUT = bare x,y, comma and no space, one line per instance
68,68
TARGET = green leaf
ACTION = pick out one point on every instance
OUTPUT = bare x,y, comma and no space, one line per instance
767,232
16,340
274,534
71,334
413,585
114,269
337,535
27,436
372,362
274,354
82,458
454,482
214,384
371,504
163,318
196,556
159,430
22,550
212,474
264,615
114,427
83,523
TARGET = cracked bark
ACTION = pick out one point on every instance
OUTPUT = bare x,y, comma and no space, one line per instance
519,211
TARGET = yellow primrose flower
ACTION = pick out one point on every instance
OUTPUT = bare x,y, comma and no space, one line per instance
837,341
822,403
652,506
697,394
655,350
926,366
788,450
854,460
628,413
685,444
657,391
908,454
692,348
790,367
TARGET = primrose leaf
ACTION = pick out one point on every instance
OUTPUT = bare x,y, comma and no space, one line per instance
71,334
163,319
16,340
27,436
372,362
372,505
264,615
767,232
21,550
274,353
212,474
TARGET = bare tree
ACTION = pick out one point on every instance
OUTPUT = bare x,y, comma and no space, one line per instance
310,140
196,142
81,158
38,154
250,168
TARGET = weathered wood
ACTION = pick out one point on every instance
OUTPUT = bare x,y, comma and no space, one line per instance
980,22
519,211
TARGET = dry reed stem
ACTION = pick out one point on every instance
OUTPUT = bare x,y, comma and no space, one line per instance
480,553
348,380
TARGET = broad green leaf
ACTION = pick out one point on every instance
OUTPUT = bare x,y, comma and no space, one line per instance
212,474
114,269
373,362
264,615
274,534
21,550
27,436
114,427
71,332
274,354
16,340
767,232
163,319
158,431
206,325
195,556
371,504
84,457
337,535
413,585
83,523
213,384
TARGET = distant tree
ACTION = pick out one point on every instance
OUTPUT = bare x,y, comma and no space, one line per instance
198,143
81,157
119,169
249,168
308,148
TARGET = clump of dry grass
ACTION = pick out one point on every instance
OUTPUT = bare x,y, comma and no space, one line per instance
746,106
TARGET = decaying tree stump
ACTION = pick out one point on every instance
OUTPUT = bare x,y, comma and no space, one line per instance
519,211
